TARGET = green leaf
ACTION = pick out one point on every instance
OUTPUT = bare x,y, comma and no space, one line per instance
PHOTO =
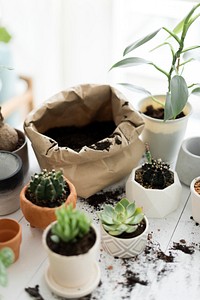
135,88
119,208
179,94
130,209
3,275
196,91
7,256
4,35
124,202
179,27
140,42
131,228
130,62
168,108
106,219
110,227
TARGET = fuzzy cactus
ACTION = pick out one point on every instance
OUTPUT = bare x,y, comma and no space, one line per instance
124,217
46,187
154,173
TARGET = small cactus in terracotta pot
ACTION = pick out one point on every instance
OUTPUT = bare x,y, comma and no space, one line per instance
45,192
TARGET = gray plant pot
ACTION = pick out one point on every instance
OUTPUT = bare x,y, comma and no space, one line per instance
23,151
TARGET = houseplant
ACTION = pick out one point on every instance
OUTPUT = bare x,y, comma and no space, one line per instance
14,140
11,181
154,187
71,243
10,235
43,194
6,259
174,105
195,198
124,229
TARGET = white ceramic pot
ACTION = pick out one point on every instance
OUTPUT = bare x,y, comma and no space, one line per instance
123,247
156,203
195,201
164,138
188,162
72,276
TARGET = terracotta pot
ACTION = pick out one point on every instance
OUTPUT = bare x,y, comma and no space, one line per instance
195,200
124,248
72,276
164,138
156,203
10,235
41,217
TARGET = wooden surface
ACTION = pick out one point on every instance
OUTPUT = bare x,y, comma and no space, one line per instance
157,279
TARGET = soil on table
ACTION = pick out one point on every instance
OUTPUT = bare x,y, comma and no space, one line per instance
90,135
158,113
80,246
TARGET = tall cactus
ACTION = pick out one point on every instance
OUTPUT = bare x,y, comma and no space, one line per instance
47,187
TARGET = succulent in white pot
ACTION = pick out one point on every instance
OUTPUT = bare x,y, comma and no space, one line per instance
72,244
124,229
154,187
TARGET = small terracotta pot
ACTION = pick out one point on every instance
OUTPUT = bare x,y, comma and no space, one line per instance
41,217
10,235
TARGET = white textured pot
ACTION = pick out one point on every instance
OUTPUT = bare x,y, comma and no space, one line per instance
164,138
195,201
188,162
72,276
123,247
156,203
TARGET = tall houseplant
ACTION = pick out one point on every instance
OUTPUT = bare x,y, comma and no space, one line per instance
176,98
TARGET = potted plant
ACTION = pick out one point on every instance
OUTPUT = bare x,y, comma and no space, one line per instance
11,181
10,235
195,198
14,140
43,194
71,243
154,187
165,138
124,229
6,259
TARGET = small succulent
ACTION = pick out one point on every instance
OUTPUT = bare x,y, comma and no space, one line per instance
154,173
6,259
71,224
46,187
123,217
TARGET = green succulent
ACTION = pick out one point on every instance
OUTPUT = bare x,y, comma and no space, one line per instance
47,186
123,217
178,89
6,259
71,224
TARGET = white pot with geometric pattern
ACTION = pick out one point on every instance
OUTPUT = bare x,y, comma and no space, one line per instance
124,247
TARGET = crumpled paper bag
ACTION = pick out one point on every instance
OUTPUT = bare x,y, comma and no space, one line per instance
89,170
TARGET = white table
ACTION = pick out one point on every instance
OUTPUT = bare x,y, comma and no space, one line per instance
158,280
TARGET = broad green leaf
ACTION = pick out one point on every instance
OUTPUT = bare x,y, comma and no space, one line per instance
110,227
168,108
135,219
4,35
196,91
179,27
119,208
7,256
179,94
124,202
106,218
135,88
130,62
140,42
130,209
108,210
194,54
131,228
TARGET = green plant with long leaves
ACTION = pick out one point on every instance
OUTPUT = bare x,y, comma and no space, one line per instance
178,90
71,225
6,259
124,217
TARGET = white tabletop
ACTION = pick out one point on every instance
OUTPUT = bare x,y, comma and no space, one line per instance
156,278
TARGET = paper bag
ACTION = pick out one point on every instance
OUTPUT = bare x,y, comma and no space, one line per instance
88,169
